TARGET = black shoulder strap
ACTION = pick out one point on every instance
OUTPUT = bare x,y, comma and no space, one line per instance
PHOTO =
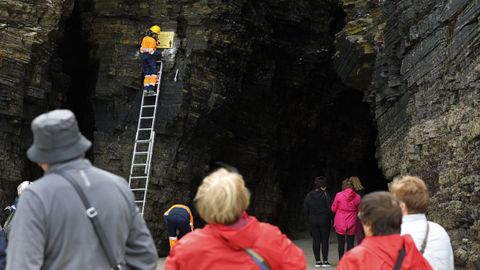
92,216
424,243
398,264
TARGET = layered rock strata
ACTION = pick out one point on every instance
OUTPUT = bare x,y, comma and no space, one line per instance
248,83
29,80
425,93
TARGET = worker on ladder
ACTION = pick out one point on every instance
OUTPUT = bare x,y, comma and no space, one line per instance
149,54
179,222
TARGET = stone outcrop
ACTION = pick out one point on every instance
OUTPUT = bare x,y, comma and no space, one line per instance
357,44
28,81
432,128
425,93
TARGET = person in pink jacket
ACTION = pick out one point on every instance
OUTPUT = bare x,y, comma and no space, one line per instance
345,207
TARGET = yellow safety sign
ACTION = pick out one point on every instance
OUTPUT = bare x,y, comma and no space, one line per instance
165,40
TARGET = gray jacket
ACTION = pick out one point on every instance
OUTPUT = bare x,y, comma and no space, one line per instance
50,229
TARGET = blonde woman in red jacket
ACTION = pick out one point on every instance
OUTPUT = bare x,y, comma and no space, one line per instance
232,239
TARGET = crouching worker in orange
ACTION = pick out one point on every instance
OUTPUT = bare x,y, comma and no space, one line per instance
383,247
149,55
179,222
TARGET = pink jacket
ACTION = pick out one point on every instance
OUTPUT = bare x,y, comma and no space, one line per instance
345,207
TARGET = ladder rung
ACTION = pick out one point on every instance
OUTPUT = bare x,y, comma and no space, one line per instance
139,201
141,153
138,189
149,106
137,177
146,117
139,164
142,129
142,141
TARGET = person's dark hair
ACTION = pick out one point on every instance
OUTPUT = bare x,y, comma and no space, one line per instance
347,183
382,212
320,182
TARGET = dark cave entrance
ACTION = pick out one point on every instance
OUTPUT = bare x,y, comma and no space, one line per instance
289,124
77,62
332,135
292,119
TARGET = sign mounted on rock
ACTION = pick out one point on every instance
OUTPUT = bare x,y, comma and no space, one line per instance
165,40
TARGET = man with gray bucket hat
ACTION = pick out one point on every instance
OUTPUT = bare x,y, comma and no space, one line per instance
52,228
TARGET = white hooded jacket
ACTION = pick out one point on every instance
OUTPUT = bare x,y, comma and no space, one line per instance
438,250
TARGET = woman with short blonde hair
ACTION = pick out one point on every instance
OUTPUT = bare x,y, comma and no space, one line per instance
232,239
222,197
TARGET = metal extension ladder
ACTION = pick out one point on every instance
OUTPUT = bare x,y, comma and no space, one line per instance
143,148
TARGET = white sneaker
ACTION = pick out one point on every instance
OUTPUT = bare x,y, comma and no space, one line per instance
318,264
326,264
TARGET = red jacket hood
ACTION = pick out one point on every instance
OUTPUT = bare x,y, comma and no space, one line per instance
240,235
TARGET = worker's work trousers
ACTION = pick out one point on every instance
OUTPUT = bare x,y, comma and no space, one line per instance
178,223
149,71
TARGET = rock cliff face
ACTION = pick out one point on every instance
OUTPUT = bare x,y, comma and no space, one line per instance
254,88
263,85
425,95
432,128
30,75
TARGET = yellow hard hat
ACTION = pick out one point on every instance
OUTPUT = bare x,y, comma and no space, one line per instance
155,29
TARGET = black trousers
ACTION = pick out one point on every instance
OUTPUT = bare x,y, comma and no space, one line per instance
177,219
320,231
341,243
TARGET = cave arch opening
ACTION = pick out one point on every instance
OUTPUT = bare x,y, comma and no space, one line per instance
291,119
280,142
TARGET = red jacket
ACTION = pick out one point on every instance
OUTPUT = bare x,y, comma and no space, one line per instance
222,247
345,207
381,252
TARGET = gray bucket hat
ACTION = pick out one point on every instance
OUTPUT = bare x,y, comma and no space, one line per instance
56,138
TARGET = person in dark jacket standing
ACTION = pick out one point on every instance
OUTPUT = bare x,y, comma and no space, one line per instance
317,205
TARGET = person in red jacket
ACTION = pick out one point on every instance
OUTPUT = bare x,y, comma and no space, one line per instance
383,247
232,239
345,207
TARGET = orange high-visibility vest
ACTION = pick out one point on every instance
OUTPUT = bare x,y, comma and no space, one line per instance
149,45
